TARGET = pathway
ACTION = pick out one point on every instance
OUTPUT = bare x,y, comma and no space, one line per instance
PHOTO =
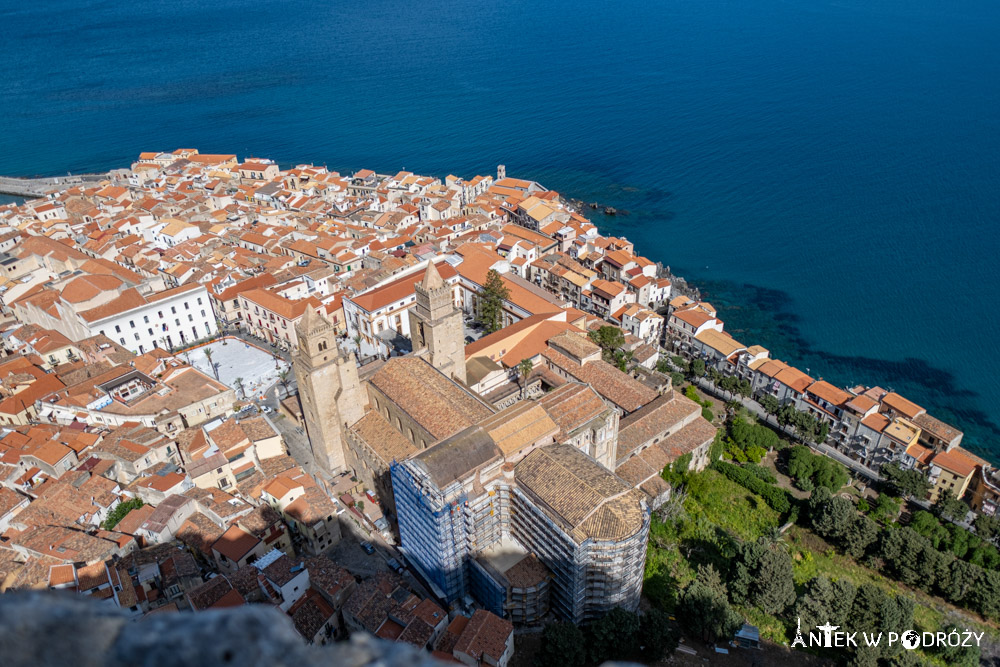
39,187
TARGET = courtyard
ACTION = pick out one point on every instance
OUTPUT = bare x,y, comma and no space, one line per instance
234,359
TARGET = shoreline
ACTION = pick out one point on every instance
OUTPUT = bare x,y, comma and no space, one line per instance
790,343
913,376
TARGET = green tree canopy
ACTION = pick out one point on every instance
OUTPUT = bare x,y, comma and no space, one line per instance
825,601
610,339
818,469
490,300
614,636
657,636
704,607
120,511
562,644
770,404
906,482
950,507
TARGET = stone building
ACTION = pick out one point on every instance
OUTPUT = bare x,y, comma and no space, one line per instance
329,389
436,325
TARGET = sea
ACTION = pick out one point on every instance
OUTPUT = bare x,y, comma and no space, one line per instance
825,171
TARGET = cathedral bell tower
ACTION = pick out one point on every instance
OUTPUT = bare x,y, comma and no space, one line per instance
436,325
329,390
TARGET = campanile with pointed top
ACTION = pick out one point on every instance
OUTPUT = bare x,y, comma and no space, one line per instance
329,390
436,325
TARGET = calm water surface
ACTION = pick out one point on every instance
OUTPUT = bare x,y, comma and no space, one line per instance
825,169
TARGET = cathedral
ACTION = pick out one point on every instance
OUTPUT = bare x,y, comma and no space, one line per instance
515,503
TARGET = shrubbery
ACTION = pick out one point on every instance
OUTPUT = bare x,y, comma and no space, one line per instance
776,498
119,512
818,469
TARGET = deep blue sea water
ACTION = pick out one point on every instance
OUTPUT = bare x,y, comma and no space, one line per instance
825,169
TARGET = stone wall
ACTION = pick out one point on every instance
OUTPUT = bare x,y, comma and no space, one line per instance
59,629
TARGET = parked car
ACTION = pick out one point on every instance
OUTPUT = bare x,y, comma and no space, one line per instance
367,546
395,564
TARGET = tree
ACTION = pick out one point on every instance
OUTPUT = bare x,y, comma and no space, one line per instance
770,404
120,511
675,473
208,355
657,636
834,518
820,470
728,384
874,610
663,365
751,434
861,533
609,339
958,656
744,388
523,371
927,525
950,507
906,483
704,607
240,393
491,297
614,636
698,368
562,644
774,587
886,509
987,527
283,379
826,601
622,358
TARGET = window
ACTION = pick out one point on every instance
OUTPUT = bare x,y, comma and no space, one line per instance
187,306
145,319
137,336
160,313
131,323
203,313
190,317
173,310
199,300
150,331
122,340
118,329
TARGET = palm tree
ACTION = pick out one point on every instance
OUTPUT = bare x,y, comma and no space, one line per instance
283,379
239,387
523,371
208,355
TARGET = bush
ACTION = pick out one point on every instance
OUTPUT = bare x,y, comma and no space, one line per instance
863,505
803,465
707,414
775,497
761,473
119,512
